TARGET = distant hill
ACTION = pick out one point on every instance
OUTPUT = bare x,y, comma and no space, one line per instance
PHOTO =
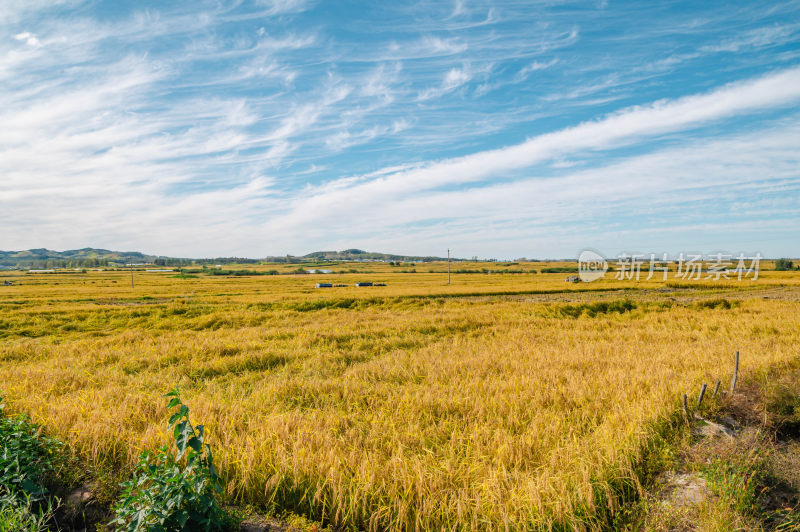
358,254
41,257
93,257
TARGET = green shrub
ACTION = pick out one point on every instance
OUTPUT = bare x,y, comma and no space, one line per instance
783,265
26,460
27,463
174,492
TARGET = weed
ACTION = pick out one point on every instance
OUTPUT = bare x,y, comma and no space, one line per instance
25,517
27,463
174,492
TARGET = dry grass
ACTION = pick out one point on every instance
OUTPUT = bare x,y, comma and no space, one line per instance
396,407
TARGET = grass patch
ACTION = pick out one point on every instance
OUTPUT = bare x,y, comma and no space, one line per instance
593,309
561,269
718,303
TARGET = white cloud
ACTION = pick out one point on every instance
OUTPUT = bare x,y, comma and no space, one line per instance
345,139
759,37
534,66
458,8
280,7
28,38
453,79
12,11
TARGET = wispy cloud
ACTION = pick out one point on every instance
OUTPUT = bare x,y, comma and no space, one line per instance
616,130
453,79
756,38
523,73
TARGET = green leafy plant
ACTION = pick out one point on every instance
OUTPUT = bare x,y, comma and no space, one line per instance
26,460
174,491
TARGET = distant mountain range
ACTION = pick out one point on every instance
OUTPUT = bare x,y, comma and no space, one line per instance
74,257
92,257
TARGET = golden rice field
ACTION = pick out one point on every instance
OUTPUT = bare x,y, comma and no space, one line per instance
502,401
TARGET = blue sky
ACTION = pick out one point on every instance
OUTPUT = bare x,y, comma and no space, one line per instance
497,129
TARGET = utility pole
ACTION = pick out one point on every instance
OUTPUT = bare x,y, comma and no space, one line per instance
448,265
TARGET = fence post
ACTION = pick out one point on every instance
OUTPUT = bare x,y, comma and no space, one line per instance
685,407
735,372
716,388
702,393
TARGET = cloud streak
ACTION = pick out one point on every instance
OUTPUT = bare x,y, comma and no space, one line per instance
613,131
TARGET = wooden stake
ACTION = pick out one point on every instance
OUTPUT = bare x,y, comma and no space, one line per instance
735,372
716,388
685,407
702,394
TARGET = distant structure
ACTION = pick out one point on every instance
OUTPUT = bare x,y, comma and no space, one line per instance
363,284
572,279
8,283
324,285
319,271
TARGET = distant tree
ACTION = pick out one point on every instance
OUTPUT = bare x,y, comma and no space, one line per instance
783,265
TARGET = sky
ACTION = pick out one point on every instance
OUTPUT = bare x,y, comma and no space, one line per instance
496,129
